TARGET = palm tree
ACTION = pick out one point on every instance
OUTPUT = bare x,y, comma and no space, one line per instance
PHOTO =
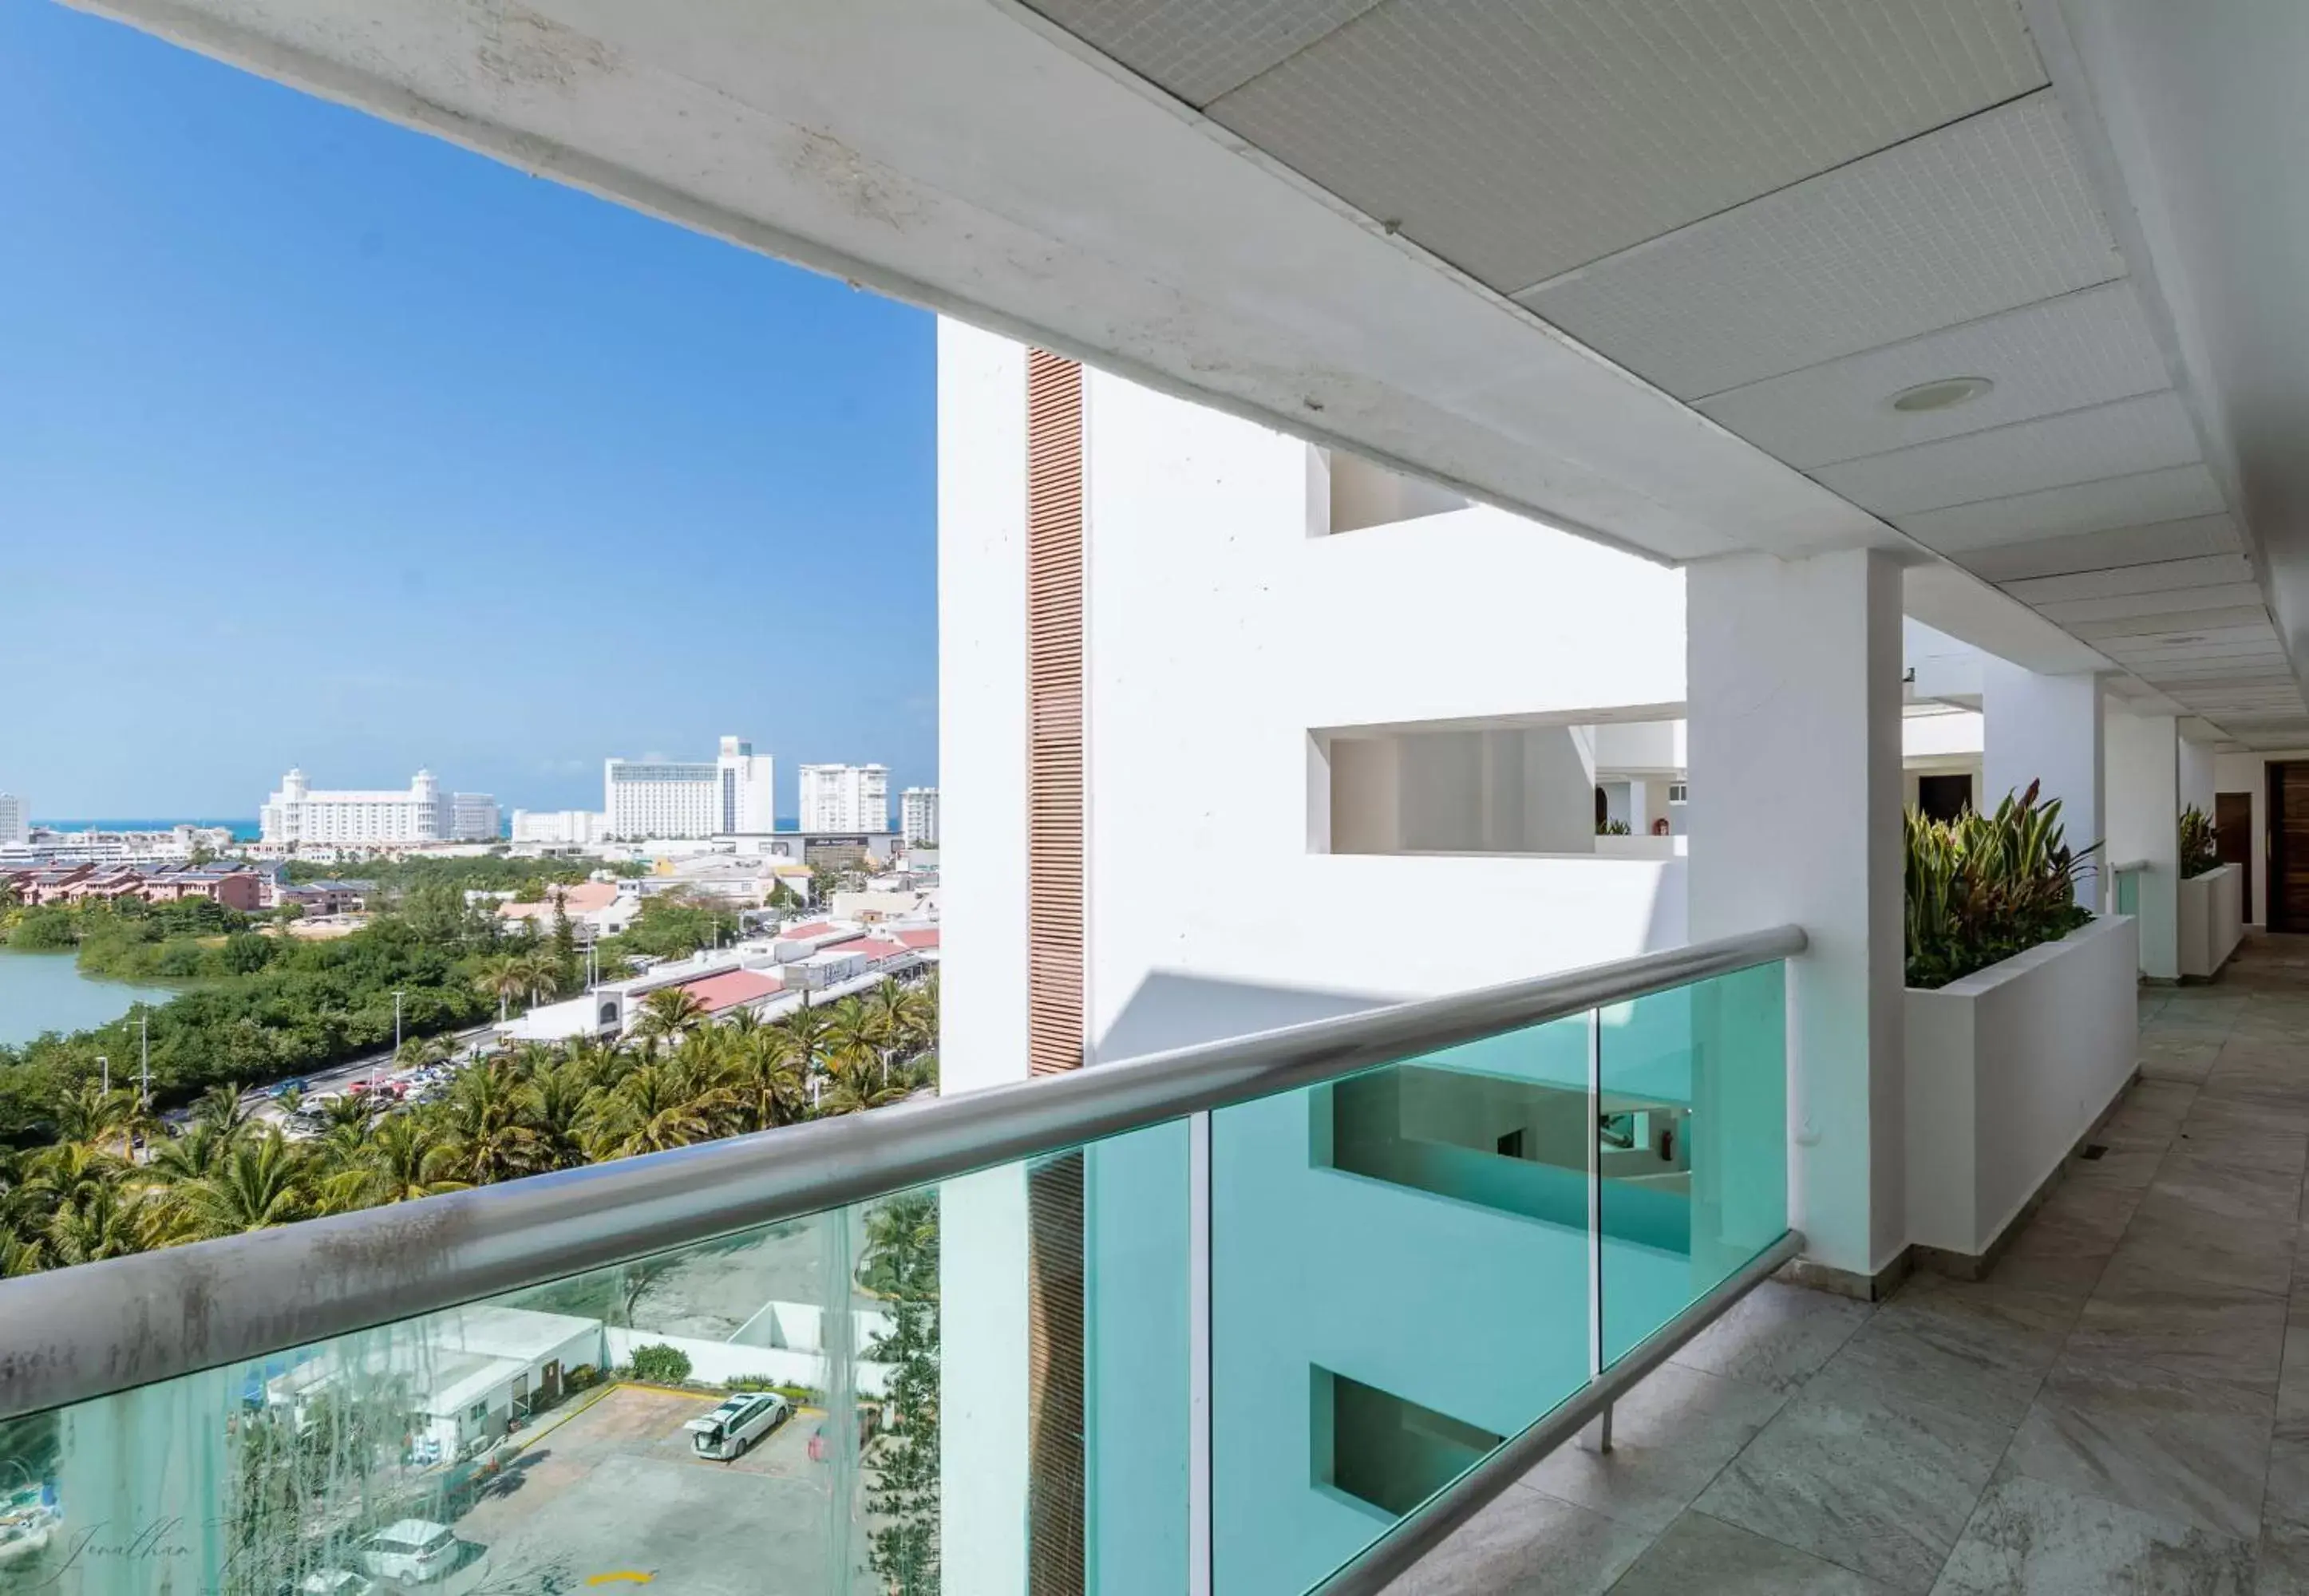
661,1105
860,1032
668,1012
404,1159
855,1082
260,1183
492,1136
221,1110
420,1051
762,1080
192,1156
539,974
504,978
92,1117
564,1098
103,1221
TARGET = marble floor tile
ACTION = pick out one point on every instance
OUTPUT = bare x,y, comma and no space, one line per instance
1778,1336
2249,1130
1880,1486
2081,1220
2030,1538
1527,1544
2287,1499
2206,1469
2202,1332
1944,1342
2171,1242
2221,1186
2283,1566
2129,1166
1671,1436
1704,1553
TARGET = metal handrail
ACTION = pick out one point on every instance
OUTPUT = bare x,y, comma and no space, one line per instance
71,1334
2128,865
1429,1524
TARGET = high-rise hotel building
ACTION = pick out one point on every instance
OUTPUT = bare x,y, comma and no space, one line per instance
845,798
732,793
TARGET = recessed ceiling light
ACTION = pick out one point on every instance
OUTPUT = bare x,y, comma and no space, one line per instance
1944,394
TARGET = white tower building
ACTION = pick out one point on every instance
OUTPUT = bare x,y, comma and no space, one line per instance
733,792
845,798
300,812
918,815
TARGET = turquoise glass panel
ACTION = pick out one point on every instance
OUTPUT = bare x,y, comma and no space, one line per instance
2128,892
1693,1144
1399,1280
680,1416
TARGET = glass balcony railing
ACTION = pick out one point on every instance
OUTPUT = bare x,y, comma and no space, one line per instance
2126,897
1291,1299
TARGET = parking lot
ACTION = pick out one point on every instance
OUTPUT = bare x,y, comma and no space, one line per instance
616,1490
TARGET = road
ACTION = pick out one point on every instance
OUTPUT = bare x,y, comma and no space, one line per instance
334,1079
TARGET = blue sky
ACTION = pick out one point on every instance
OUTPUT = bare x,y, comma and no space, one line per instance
326,443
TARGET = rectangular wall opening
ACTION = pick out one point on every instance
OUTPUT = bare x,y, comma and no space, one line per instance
1383,1450
1347,494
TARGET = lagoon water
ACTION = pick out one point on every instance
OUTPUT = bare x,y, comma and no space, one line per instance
41,992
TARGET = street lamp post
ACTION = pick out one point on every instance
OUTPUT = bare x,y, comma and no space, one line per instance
144,1057
104,1065
396,1024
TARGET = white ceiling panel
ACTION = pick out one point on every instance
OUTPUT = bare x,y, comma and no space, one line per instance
2209,571
1520,138
2127,437
1199,49
2163,659
2131,604
2082,349
2175,494
2180,622
1975,218
2114,548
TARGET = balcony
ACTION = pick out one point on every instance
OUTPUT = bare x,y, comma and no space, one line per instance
1272,1314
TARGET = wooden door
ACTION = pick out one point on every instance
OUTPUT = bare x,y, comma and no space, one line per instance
2233,832
2288,846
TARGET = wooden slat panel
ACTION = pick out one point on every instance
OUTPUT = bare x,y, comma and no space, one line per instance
1056,1538
1054,696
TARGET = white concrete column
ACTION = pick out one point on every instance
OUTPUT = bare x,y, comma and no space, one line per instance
2144,824
2046,729
1646,802
1794,691
2196,765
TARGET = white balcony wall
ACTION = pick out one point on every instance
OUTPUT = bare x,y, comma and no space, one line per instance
1642,746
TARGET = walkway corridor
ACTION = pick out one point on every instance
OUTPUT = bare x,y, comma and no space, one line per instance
2123,1407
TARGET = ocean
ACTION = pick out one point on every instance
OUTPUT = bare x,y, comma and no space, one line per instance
243,831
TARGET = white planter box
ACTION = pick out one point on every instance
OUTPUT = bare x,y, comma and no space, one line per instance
2212,919
2007,1070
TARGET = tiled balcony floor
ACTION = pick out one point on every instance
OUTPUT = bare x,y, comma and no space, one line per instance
2123,1407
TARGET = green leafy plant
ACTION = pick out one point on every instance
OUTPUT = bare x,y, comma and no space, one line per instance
2200,843
661,1365
1983,888
1612,828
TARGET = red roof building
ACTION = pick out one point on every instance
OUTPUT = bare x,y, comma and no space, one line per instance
732,988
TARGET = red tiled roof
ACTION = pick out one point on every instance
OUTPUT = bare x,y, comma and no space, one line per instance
815,928
732,988
918,936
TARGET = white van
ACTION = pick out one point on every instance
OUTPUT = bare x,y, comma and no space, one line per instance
412,1550
736,1424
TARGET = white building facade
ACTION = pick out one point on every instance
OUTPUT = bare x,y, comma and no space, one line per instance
474,817
845,798
16,818
918,815
559,828
299,814
735,792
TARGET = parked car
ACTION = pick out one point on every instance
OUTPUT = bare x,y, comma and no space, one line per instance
336,1582
736,1424
411,1550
